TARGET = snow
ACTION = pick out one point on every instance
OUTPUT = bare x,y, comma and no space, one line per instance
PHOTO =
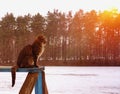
70,80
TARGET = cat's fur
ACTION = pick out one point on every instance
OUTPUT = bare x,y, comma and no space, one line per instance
29,55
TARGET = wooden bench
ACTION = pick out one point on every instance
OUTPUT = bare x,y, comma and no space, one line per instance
35,77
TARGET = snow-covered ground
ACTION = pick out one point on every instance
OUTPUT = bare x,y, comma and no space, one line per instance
71,80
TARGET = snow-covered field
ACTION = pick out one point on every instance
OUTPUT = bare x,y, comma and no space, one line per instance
71,80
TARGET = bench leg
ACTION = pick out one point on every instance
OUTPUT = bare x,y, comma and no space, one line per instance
29,83
41,87
38,85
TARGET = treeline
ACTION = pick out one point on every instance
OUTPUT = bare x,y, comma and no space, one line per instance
86,38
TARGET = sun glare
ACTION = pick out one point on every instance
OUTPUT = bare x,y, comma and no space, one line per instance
99,5
108,4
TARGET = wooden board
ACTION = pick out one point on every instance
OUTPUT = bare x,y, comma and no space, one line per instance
8,69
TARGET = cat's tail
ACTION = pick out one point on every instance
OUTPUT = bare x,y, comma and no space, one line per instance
13,74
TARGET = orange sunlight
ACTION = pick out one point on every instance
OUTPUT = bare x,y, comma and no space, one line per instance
109,14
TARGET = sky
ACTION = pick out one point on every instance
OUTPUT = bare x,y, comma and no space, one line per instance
23,7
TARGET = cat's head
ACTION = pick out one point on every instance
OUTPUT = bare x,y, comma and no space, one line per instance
42,39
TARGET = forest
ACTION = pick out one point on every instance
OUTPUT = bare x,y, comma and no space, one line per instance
83,39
